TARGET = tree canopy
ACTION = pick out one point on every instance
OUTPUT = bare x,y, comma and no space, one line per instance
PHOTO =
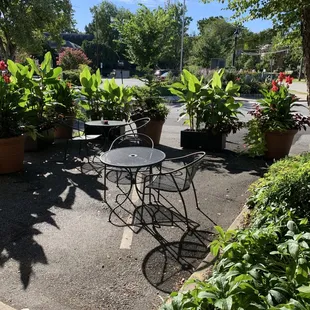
23,23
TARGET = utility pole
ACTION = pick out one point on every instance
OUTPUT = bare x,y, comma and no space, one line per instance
97,35
182,37
236,34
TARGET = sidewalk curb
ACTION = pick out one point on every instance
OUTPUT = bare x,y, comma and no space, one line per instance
204,270
5,307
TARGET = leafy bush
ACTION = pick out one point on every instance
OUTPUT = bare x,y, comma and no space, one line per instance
267,265
73,76
71,58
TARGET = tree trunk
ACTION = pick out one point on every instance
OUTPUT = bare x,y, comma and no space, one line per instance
305,31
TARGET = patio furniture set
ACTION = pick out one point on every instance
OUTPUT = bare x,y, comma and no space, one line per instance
130,161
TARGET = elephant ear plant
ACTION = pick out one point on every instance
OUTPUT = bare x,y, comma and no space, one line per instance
104,100
211,110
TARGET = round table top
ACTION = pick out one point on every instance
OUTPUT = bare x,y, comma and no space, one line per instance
109,124
133,157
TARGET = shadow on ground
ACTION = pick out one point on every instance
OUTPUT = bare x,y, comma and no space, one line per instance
29,198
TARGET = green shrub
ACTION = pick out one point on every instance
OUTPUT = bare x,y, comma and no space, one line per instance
267,265
73,76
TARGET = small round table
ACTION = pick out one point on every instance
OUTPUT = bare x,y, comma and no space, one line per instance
133,157
131,160
102,128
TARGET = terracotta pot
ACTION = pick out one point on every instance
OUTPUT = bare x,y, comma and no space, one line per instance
11,154
278,143
63,131
153,129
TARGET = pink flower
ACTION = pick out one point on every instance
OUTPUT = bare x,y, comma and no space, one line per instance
3,65
275,88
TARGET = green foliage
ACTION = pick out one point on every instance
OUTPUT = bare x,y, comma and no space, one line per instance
267,265
23,24
215,41
209,105
107,100
254,139
73,76
152,36
12,108
148,102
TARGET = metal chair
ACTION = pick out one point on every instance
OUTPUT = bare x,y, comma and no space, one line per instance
119,175
78,134
137,125
133,139
134,128
174,180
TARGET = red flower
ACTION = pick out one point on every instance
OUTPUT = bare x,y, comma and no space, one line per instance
6,78
275,88
281,76
289,80
3,65
274,83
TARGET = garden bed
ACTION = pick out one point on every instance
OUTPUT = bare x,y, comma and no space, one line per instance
266,265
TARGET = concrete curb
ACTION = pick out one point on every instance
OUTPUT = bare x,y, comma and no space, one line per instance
204,270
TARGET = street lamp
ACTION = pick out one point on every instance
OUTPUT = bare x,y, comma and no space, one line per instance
121,65
236,34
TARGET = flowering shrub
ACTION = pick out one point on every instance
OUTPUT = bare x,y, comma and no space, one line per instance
274,113
71,58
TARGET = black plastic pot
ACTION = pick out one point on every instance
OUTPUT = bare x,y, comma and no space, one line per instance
202,140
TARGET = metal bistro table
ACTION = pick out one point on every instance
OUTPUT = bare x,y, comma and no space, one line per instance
131,160
103,127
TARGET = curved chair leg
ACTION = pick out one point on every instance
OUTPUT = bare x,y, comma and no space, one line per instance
195,194
185,211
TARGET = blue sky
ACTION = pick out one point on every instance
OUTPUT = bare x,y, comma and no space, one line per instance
196,9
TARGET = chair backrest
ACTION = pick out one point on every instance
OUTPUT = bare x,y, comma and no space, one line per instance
138,125
191,163
73,123
137,139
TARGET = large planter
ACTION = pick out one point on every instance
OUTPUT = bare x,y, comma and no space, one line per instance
202,140
64,131
11,154
153,129
278,143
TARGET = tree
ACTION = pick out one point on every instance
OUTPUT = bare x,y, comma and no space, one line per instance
285,14
147,36
215,40
23,23
105,43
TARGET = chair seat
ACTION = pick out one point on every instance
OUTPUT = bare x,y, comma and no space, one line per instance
168,184
88,137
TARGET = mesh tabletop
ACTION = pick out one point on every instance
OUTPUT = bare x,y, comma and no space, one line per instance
109,124
133,157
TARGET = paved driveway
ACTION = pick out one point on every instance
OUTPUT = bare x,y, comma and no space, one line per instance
58,251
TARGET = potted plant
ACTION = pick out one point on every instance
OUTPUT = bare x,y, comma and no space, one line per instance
40,105
12,108
275,123
212,111
65,109
148,103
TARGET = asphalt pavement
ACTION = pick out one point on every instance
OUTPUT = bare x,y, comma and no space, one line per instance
58,250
